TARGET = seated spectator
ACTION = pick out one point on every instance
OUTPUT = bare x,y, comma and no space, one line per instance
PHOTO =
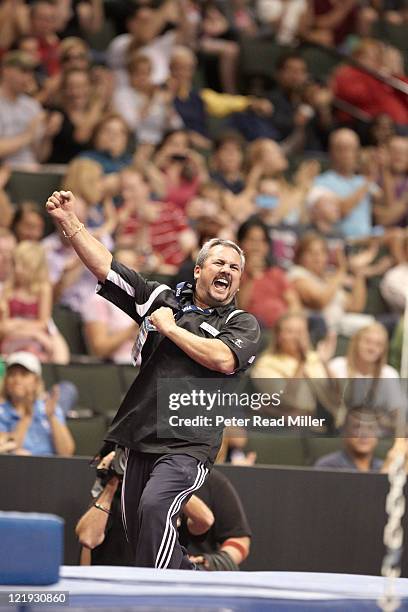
291,356
44,25
267,189
329,23
158,230
26,306
393,179
84,177
110,145
28,222
177,170
354,190
297,122
109,332
324,291
34,422
195,105
146,34
367,359
360,439
147,109
14,23
282,17
72,283
79,18
25,130
213,528
216,38
362,90
227,166
265,291
82,107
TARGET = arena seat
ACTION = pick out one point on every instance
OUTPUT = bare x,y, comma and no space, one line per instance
127,374
99,385
88,434
69,324
317,446
272,449
258,58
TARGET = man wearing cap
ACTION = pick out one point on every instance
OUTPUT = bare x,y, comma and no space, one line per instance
30,422
25,130
196,332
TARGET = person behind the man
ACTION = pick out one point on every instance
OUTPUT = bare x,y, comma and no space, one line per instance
360,439
213,527
355,192
211,338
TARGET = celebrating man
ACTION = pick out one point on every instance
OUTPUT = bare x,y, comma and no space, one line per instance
195,332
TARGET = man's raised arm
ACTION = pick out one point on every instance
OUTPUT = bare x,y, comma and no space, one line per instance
61,206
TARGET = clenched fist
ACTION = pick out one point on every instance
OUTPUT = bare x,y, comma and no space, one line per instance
163,320
61,205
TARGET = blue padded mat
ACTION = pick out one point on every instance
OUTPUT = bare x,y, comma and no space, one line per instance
147,590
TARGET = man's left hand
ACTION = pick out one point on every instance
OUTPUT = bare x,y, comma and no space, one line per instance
163,320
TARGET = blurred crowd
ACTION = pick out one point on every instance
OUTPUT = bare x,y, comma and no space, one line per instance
142,109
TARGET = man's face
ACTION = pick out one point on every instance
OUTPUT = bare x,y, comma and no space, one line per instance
344,152
16,78
293,74
218,280
44,19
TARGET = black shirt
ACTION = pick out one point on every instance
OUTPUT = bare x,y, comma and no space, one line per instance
230,520
135,424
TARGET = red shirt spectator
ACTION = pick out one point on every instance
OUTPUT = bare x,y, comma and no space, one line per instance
44,23
369,95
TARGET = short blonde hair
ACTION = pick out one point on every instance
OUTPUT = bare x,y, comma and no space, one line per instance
80,178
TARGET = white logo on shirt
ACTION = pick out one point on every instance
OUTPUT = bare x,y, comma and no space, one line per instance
238,342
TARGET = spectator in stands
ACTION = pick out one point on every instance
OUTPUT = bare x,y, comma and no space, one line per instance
367,359
265,290
365,92
85,178
284,18
290,356
110,144
322,291
393,179
214,528
72,283
228,158
110,333
33,421
146,34
354,190
28,222
79,18
82,107
44,25
329,23
146,108
14,22
216,38
158,230
366,356
267,189
301,109
26,306
177,170
25,130
360,439
195,105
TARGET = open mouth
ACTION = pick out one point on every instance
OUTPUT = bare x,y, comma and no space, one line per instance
221,283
